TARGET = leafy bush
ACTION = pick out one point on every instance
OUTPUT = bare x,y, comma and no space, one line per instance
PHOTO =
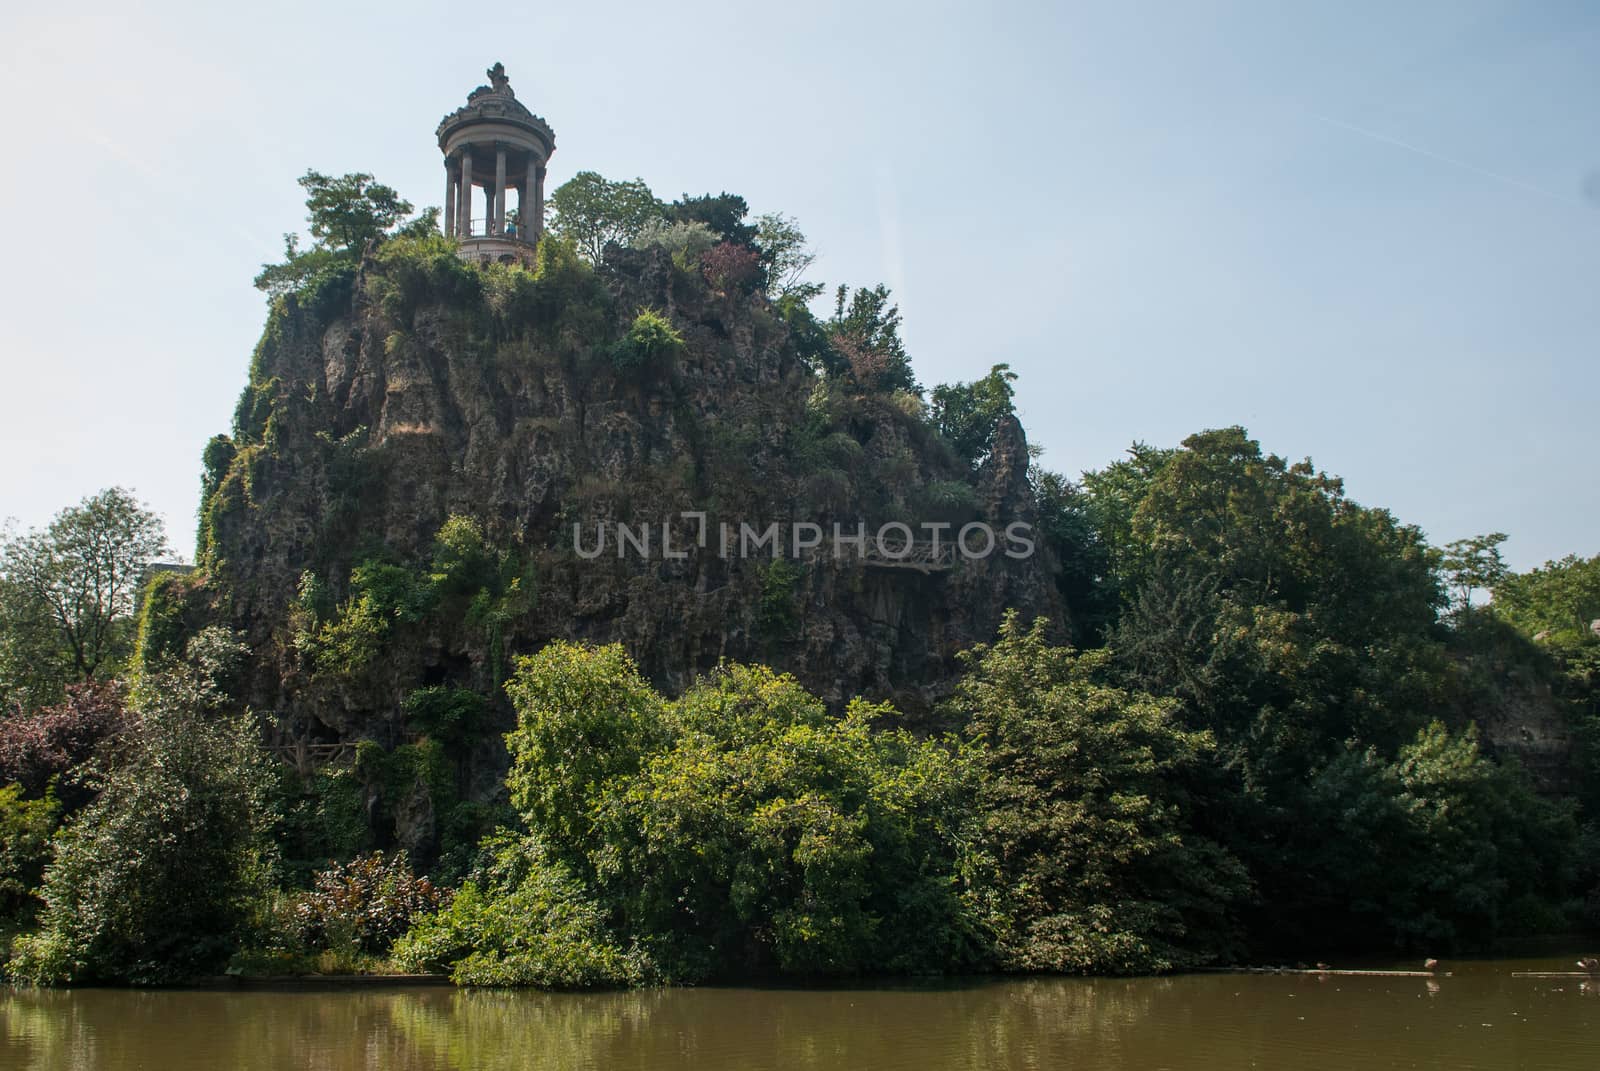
650,340
365,904
38,746
731,267
778,612
1441,848
523,919
1094,868
452,716
382,595
160,876
771,834
743,827
25,828
684,241
414,271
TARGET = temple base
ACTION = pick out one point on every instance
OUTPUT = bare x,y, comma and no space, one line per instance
497,249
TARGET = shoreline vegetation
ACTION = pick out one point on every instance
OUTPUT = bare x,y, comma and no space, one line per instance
1269,722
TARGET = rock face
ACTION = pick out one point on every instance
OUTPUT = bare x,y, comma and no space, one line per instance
384,404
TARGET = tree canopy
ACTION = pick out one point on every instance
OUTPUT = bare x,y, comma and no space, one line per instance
344,213
593,212
967,414
67,593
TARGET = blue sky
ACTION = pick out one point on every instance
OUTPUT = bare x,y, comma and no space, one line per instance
1359,229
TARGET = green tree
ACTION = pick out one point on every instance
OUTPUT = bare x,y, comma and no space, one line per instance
1289,620
347,212
1471,565
1095,867
1561,598
67,593
1286,616
785,258
966,414
593,212
344,214
772,834
684,242
723,212
586,719
743,827
159,878
865,330
1440,848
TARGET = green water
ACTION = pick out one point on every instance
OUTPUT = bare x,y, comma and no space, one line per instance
1480,1017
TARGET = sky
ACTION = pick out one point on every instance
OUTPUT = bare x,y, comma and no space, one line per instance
1368,232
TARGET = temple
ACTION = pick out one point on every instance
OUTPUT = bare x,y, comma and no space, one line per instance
496,145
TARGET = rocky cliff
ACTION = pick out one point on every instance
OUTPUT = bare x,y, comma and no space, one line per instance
389,399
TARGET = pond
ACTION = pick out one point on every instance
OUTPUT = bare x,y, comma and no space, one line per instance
1479,1016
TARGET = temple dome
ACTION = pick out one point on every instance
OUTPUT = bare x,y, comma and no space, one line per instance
494,110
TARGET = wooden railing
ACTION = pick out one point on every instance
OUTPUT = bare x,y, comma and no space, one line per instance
921,556
307,757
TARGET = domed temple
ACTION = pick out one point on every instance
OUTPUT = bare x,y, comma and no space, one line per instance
497,145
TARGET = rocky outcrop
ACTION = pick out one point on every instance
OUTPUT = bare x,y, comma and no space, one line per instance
427,390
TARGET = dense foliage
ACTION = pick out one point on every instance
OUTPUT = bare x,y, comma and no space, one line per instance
160,877
741,828
1261,741
365,904
1083,817
344,213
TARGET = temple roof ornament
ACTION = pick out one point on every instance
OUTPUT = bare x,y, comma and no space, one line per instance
495,103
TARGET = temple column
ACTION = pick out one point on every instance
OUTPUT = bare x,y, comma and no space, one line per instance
525,204
464,212
538,203
449,196
499,226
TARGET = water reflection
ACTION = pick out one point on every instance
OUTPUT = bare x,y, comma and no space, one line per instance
1478,1018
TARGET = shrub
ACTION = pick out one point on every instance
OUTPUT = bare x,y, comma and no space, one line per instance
25,828
159,878
364,904
650,340
731,267
40,745
684,241
382,595
1441,848
453,716
743,827
1094,870
778,612
523,919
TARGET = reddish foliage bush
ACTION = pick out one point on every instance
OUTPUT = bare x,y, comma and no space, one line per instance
37,745
729,266
868,368
368,903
